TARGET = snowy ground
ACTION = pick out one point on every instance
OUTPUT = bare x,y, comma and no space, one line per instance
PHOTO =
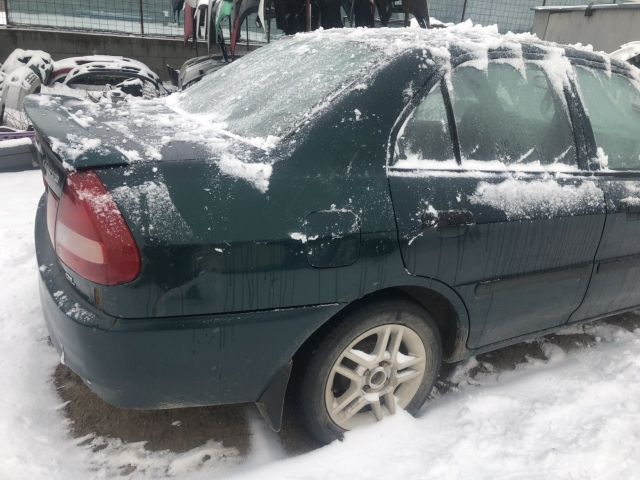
569,408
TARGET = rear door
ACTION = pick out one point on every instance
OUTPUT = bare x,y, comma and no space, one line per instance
612,102
490,199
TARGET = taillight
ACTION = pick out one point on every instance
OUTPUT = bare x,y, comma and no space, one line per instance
52,211
91,236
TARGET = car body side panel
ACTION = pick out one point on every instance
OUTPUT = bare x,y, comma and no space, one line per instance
515,276
186,360
521,259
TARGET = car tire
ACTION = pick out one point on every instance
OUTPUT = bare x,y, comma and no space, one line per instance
325,383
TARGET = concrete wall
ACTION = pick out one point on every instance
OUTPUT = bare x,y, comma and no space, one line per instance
154,52
606,29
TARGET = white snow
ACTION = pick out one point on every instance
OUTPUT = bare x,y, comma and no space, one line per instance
524,198
74,146
415,162
257,173
303,238
15,142
300,237
572,416
602,158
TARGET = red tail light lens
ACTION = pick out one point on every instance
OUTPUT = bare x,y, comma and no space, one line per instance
91,236
52,210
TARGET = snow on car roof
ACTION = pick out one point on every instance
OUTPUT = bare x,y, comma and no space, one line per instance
466,35
148,126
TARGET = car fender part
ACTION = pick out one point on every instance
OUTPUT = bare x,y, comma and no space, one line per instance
271,402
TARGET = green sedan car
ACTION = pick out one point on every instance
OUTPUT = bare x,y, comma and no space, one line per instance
333,216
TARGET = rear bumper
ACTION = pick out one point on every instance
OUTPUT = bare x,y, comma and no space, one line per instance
168,362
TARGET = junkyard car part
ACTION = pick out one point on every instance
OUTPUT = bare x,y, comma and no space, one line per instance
61,68
38,61
629,52
99,76
194,69
16,86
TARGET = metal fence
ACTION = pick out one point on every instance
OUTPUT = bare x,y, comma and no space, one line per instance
155,17
152,17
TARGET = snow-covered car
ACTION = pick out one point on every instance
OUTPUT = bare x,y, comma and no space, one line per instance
347,210
629,52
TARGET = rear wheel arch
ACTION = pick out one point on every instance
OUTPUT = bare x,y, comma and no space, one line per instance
315,362
441,304
452,322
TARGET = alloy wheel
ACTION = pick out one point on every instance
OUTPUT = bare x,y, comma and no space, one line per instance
379,372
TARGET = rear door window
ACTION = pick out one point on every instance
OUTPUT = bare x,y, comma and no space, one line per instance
613,105
513,117
425,137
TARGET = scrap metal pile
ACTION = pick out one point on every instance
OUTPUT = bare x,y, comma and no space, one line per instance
27,72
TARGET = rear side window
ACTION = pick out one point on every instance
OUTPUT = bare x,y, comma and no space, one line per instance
613,106
511,116
425,135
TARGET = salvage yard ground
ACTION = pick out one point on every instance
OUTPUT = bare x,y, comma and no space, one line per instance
566,406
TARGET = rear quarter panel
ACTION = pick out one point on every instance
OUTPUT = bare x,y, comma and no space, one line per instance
214,243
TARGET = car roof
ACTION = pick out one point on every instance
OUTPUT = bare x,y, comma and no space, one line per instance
466,41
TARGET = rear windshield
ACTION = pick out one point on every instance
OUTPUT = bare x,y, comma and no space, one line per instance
270,90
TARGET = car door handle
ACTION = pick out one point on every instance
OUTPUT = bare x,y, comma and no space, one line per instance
447,218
